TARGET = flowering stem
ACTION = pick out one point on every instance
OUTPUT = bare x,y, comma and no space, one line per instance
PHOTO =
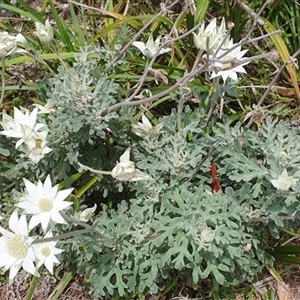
94,170
32,288
61,236
3,80
180,109
214,97
197,59
274,196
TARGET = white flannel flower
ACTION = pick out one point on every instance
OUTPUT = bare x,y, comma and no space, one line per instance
15,248
283,182
151,47
44,32
38,146
212,33
9,44
227,69
45,253
145,127
23,125
125,170
44,202
87,213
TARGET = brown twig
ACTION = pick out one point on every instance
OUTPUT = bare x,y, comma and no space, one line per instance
261,100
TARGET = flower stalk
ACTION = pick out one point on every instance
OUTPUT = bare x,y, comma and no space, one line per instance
2,80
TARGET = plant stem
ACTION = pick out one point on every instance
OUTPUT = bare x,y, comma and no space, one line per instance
197,59
179,115
214,97
3,80
61,236
32,288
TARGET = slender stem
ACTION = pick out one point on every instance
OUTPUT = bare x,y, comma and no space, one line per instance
274,196
181,82
179,115
3,80
216,83
32,288
61,236
197,59
94,170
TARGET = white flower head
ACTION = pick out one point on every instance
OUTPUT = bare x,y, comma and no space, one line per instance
15,247
145,127
38,146
151,47
44,32
284,182
212,33
125,170
23,125
45,253
87,213
227,69
9,44
44,202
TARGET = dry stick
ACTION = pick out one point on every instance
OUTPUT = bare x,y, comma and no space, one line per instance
127,102
149,66
180,82
264,219
162,11
251,12
261,100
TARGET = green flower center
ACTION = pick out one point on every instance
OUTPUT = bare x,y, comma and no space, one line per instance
16,248
45,205
46,251
38,143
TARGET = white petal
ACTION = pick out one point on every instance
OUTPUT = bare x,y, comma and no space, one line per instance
57,218
13,272
125,157
29,267
140,45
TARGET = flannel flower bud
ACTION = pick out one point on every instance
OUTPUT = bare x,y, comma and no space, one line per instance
125,170
44,32
151,47
87,214
212,33
283,182
145,127
9,44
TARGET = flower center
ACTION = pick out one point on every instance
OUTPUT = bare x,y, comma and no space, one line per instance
38,143
46,251
16,248
45,205
226,65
